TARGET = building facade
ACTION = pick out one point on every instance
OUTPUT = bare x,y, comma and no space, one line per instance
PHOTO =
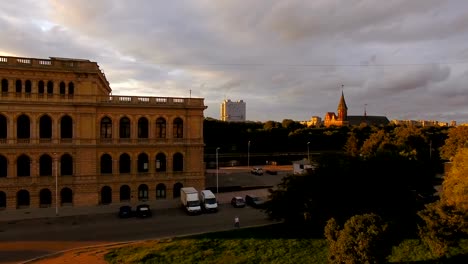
315,121
233,111
63,134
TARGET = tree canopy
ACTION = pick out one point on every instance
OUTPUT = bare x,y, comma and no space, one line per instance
457,138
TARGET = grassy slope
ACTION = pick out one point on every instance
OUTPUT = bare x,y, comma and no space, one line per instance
269,244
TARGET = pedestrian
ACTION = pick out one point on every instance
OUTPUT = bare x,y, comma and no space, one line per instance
236,222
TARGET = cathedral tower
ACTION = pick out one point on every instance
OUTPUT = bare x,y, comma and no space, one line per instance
342,109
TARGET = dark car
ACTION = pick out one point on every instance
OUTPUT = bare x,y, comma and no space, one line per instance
254,201
125,211
271,172
238,202
143,210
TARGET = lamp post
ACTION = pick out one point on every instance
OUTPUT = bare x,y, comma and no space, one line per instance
308,156
56,184
248,154
217,169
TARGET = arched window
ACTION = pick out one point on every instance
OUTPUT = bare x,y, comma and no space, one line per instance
125,193
106,164
3,200
106,195
28,86
23,166
22,199
124,163
176,190
124,129
160,191
3,127
62,88
66,165
50,88
45,127
143,165
178,162
45,165
40,87
66,127
22,127
161,128
3,166
178,128
106,127
4,86
143,192
71,88
19,86
160,162
66,196
143,127
45,198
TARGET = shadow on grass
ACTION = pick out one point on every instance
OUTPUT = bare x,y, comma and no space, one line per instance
458,259
274,231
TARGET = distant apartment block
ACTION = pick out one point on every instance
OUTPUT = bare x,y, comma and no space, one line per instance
314,121
423,123
233,111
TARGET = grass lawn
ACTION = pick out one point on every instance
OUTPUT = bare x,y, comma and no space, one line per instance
268,244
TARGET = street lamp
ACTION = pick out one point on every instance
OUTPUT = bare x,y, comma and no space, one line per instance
308,156
217,169
56,184
248,154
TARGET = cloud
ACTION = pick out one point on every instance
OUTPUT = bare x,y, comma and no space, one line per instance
286,59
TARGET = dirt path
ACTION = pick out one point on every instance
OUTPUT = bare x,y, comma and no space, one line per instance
85,255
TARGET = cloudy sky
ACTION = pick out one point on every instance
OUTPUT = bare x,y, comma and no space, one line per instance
286,58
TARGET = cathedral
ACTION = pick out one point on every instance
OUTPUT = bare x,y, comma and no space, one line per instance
342,119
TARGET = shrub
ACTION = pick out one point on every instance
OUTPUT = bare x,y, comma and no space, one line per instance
443,227
360,241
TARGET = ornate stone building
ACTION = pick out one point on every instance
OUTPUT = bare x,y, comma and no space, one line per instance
65,139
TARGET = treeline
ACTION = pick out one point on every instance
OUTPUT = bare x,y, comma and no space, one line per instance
291,136
380,191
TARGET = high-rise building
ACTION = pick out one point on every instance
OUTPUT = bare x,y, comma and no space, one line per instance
233,111
63,134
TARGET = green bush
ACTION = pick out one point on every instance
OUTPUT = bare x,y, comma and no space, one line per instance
443,227
360,241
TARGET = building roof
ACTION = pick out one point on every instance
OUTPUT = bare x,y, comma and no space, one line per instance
342,103
370,120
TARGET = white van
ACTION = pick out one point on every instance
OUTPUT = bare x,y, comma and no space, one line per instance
208,201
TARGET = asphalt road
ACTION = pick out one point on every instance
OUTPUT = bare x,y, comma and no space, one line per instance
28,239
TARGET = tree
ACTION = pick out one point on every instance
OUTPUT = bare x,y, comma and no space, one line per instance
455,184
446,221
443,227
362,240
377,142
457,138
352,145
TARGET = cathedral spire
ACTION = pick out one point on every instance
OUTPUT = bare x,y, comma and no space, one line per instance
342,104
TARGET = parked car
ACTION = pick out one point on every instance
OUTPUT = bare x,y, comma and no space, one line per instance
143,210
238,202
254,201
271,172
257,171
125,211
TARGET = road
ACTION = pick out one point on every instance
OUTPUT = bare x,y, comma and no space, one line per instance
28,239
